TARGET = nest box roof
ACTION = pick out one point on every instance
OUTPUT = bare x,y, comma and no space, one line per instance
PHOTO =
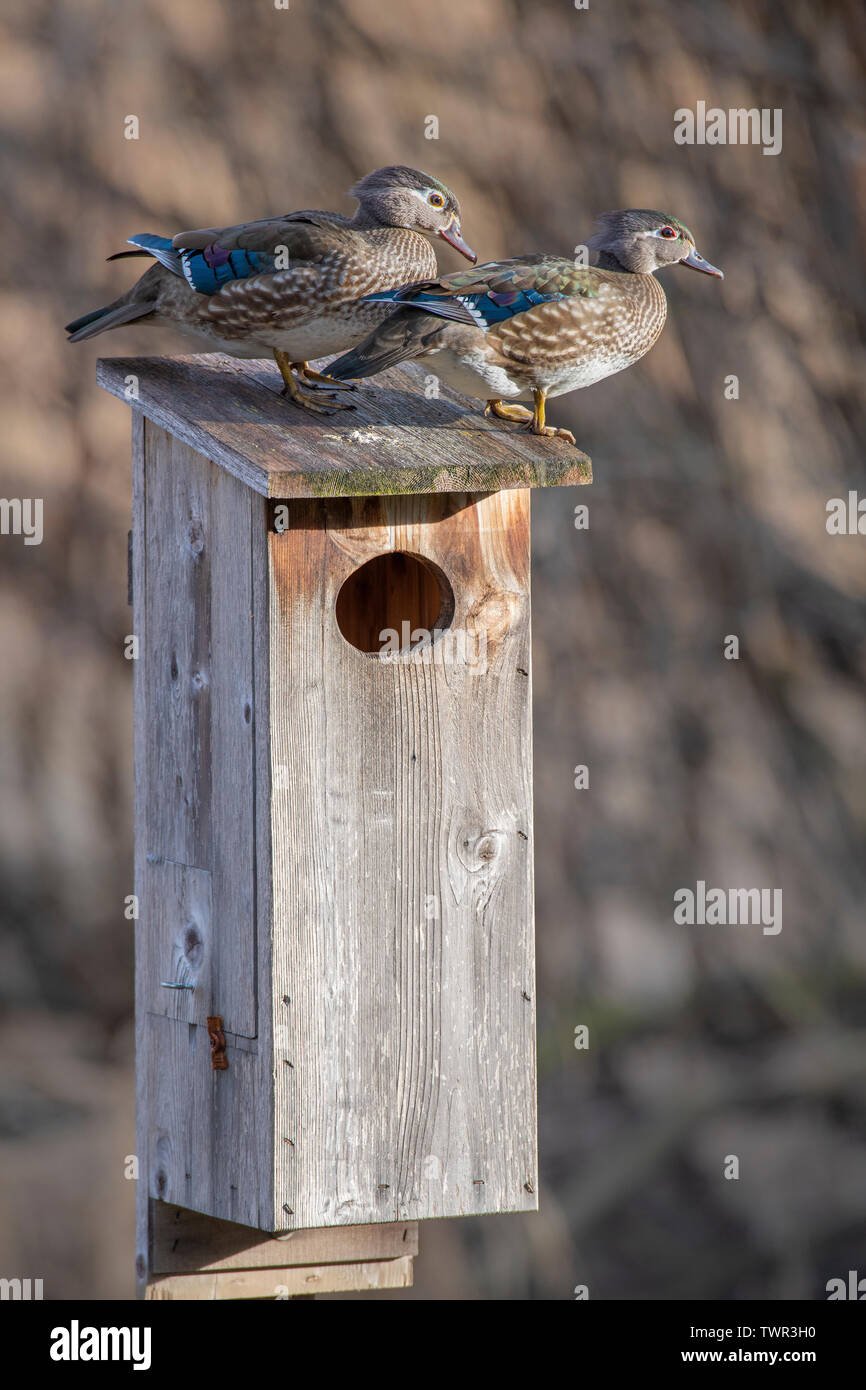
395,441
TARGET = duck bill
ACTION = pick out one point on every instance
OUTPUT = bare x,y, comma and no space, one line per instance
451,234
697,262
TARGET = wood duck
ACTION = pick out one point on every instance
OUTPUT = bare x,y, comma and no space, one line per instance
297,285
536,326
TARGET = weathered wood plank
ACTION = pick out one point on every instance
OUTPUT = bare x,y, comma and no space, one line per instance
198,658
266,1107
285,1283
206,1134
185,1242
401,840
179,947
203,1137
140,781
233,715
395,441
176,652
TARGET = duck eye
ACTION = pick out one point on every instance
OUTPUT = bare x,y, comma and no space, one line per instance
667,231
435,200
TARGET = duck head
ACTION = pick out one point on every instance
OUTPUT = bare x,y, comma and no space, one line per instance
397,196
643,241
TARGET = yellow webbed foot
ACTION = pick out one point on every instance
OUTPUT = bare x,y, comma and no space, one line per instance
502,411
536,423
309,374
304,399
550,432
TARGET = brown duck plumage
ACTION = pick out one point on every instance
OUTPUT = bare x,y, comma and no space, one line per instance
536,326
291,285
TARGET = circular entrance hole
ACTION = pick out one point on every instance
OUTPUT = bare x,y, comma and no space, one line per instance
395,602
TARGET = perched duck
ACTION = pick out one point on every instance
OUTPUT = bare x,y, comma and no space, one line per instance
298,285
536,326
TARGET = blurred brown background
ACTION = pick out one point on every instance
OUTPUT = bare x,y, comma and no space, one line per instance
707,517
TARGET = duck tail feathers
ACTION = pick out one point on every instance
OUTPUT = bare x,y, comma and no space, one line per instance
160,247
405,334
110,316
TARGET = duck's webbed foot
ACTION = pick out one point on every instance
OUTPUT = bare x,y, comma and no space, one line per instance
305,399
309,374
502,411
551,432
536,424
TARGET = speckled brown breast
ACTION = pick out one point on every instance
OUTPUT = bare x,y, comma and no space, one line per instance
618,323
378,258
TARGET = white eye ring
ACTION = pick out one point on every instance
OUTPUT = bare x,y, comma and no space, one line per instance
435,200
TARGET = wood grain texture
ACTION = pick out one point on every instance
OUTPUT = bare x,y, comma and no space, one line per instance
179,946
185,1242
285,1283
204,1138
143,987
198,663
402,873
267,1138
395,441
176,653
232,741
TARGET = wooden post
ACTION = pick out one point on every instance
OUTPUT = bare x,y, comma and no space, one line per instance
334,954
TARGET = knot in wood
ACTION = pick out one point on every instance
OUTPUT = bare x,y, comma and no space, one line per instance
480,848
193,946
494,613
195,538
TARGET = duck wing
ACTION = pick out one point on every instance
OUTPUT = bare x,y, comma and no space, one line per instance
212,257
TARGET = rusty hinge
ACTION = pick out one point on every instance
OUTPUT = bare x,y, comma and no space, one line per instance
218,1059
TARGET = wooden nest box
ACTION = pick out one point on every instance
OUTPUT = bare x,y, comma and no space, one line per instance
334,954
